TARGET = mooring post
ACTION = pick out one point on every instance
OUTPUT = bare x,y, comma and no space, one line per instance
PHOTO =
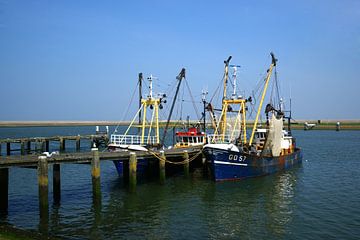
43,146
28,148
56,183
92,143
95,175
132,171
337,126
62,144
4,191
37,146
8,149
0,150
47,145
78,144
22,148
43,182
186,163
205,165
162,167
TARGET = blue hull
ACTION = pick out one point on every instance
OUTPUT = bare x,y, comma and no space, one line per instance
142,166
229,165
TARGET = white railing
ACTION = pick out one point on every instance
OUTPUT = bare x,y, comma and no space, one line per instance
120,139
218,138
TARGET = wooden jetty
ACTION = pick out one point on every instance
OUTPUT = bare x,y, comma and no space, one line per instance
162,157
42,144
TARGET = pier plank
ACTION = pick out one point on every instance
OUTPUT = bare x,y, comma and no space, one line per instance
86,157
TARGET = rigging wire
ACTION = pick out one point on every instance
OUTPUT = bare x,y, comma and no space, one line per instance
128,107
192,99
277,87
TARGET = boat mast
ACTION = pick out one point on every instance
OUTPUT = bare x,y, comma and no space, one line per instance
140,97
289,119
154,104
226,75
224,105
203,98
179,78
234,75
273,64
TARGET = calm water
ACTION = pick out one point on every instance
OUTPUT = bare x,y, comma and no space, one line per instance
318,200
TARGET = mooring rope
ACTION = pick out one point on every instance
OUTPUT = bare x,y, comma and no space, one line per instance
158,156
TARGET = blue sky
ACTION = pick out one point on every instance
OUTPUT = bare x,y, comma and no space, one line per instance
79,60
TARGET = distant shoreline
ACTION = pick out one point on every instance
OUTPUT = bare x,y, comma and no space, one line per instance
61,123
352,124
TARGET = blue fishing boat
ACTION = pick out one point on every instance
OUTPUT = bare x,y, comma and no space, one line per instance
148,133
271,148
148,136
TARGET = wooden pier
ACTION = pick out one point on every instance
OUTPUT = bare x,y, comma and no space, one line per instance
42,162
42,144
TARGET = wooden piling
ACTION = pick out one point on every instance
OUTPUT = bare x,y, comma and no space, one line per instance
56,183
43,183
4,191
43,146
132,171
28,146
78,144
22,148
95,175
205,165
8,148
92,143
62,144
37,146
0,150
186,163
125,172
47,146
95,163
162,173
337,126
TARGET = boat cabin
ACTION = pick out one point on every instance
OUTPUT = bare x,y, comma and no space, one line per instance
260,136
193,137
286,142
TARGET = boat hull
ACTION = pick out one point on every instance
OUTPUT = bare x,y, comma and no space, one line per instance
141,167
234,165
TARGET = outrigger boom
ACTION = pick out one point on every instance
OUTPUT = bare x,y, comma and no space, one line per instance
273,64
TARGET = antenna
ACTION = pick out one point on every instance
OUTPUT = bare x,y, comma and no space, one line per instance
204,93
151,78
203,98
234,76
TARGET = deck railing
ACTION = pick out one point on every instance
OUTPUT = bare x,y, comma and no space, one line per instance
120,139
218,138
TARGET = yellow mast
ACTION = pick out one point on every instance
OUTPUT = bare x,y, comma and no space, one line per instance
146,103
273,64
153,103
243,120
157,121
143,122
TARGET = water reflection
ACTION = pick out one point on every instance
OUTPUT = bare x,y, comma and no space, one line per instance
280,205
185,208
261,206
